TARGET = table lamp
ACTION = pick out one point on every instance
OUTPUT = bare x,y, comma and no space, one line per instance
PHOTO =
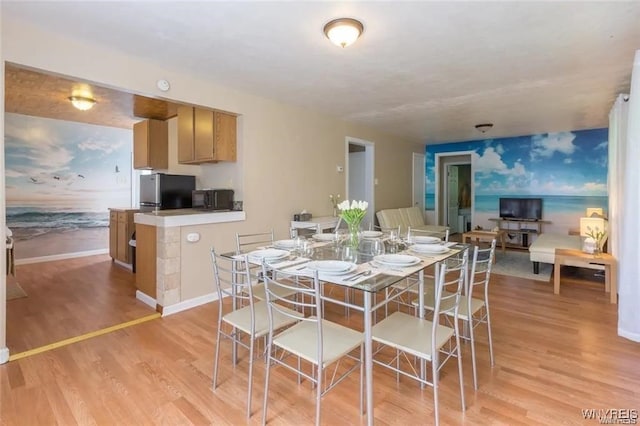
595,230
595,211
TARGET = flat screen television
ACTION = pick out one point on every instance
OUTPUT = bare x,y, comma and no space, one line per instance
521,208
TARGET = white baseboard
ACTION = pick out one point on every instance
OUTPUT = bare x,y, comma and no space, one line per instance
627,335
188,304
4,355
60,256
147,300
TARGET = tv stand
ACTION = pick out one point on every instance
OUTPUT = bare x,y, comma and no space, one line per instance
520,229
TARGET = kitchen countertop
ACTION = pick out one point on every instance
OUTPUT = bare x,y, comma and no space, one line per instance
186,217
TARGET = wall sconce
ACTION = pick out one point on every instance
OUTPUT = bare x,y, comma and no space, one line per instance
82,103
344,31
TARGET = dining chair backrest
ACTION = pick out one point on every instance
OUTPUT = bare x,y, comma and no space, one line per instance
481,268
278,280
412,232
248,242
449,285
304,231
232,280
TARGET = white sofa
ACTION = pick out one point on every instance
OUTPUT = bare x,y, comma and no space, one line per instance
408,217
543,249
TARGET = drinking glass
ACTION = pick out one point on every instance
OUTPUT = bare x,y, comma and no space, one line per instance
349,253
376,247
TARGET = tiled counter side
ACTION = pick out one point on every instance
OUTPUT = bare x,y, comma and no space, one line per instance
174,273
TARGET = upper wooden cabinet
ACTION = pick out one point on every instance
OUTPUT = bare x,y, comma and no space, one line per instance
205,136
150,145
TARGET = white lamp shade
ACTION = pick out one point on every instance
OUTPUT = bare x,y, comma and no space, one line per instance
592,225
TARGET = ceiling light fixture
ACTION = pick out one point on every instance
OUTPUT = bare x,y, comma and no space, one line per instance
344,31
82,103
484,127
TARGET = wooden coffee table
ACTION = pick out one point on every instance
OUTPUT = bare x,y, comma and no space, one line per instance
480,235
588,261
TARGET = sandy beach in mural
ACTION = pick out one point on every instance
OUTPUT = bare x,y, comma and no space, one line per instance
63,241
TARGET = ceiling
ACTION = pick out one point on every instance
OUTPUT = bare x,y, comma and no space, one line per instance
40,94
424,71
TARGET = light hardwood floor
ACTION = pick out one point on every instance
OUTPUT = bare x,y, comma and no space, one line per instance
555,355
68,298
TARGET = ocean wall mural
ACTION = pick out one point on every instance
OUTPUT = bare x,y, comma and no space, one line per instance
568,170
61,177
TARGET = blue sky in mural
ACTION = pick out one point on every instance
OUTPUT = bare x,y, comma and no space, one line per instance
66,165
567,163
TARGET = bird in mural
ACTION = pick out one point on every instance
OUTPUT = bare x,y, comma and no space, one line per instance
34,180
117,169
80,176
56,177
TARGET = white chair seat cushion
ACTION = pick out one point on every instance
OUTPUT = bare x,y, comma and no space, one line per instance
302,340
241,319
410,334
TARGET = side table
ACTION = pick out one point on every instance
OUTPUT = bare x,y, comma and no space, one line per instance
588,261
479,235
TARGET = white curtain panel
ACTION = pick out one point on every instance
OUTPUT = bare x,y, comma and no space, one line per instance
629,225
615,181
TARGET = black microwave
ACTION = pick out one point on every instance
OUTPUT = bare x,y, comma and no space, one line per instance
212,199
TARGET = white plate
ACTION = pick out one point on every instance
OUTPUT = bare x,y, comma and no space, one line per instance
428,248
397,259
423,239
285,244
332,267
323,237
268,254
371,234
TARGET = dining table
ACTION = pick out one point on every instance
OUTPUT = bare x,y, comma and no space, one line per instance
371,275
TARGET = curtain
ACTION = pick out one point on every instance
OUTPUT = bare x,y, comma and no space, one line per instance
615,181
629,224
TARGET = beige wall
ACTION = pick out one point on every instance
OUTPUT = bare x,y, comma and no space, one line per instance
288,155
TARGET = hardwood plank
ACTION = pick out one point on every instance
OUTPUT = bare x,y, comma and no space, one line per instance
555,355
68,298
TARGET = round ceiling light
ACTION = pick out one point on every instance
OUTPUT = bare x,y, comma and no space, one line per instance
344,31
82,103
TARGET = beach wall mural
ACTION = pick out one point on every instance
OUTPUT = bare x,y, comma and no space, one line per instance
61,177
568,170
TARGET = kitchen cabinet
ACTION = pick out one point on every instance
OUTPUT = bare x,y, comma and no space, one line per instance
150,145
121,228
205,136
146,253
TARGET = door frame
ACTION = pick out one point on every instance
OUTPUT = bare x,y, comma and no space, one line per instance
423,172
441,161
369,152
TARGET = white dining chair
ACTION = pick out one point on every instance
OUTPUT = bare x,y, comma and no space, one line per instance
474,310
248,242
249,320
415,339
323,344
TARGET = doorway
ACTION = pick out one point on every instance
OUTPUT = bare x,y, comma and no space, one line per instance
360,180
454,191
418,178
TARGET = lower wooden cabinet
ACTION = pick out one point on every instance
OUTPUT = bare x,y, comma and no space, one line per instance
146,253
121,229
